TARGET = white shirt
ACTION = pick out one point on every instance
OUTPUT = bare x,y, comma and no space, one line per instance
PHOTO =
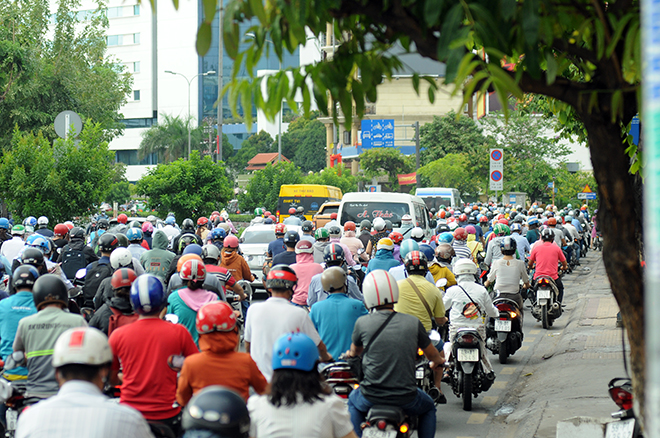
399,273
80,410
268,321
456,300
574,232
12,248
327,418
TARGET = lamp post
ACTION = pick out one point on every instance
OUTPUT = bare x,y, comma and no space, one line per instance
189,82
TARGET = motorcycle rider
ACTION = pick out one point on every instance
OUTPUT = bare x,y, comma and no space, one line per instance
333,256
460,246
234,262
389,364
335,237
157,260
384,258
99,270
365,234
351,242
441,265
5,228
119,304
308,231
11,248
288,257
218,413
507,273
322,237
187,234
42,227
277,246
120,258
533,234
547,257
522,244
575,238
493,252
135,238
379,233
333,221
305,269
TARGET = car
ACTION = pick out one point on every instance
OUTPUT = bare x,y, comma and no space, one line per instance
253,243
323,216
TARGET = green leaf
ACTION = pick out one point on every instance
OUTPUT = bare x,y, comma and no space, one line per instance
551,68
505,81
209,10
618,31
617,104
203,38
257,7
530,21
431,93
432,10
508,9
415,82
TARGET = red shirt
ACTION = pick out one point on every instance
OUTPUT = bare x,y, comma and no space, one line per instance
143,348
547,255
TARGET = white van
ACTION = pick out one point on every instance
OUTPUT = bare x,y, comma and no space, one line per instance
390,206
434,197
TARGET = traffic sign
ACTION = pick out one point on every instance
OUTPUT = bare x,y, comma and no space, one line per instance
590,196
496,154
377,133
496,175
496,182
496,169
63,123
587,189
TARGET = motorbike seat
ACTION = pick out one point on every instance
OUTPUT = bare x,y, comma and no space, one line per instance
471,330
382,412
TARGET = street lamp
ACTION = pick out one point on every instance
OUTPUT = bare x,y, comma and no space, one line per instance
211,72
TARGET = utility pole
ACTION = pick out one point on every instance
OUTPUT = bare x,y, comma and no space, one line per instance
417,145
221,53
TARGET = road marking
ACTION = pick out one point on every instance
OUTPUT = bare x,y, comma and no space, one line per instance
477,418
464,437
508,370
489,400
524,348
500,384
534,332
530,340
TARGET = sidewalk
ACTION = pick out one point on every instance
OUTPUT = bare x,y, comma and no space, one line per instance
573,364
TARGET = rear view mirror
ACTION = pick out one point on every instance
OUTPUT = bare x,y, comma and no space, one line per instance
171,317
441,283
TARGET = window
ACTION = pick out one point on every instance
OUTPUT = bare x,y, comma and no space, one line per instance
139,123
115,12
136,10
136,38
115,40
136,67
136,94
130,158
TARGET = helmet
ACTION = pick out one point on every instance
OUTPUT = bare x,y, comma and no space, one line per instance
291,237
218,234
185,258
379,224
32,256
281,277
202,221
365,224
470,229
516,227
151,218
43,220
333,253
321,233
147,294
192,270
533,221
134,234
396,237
417,234
463,217
108,242
169,220
334,231
300,209
388,225
230,242
498,229
30,221
446,237
82,346
428,251
295,351
304,247
49,289
266,214
378,288
569,206
258,211
147,227
552,221
460,233
416,262
292,210
349,226
333,216
19,230
122,218
121,258
216,316
407,246
38,241
187,224
210,252
307,226
508,244
135,224
547,235
445,252
385,243
4,223
60,229
333,279
123,277
483,219
442,214
568,218
465,267
102,224
24,276
280,229
218,410
443,228
406,218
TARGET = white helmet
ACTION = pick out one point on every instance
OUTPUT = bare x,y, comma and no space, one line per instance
82,346
453,226
43,220
153,219
379,287
120,258
417,233
406,218
379,224
465,267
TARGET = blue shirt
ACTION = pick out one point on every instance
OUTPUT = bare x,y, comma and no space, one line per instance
334,319
384,260
578,226
316,292
276,246
12,310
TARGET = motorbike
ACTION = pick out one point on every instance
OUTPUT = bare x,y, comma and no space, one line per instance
466,374
340,378
620,390
384,421
598,242
12,394
423,372
546,308
504,335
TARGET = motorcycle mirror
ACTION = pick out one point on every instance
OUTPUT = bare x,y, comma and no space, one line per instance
80,273
171,317
434,336
441,283
15,360
175,362
360,251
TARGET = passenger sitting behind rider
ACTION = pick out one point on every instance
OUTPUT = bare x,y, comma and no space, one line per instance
507,273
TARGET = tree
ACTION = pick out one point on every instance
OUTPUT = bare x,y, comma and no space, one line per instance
336,176
263,190
450,171
386,161
294,134
450,135
189,188
258,143
59,181
570,184
48,69
119,192
311,156
169,139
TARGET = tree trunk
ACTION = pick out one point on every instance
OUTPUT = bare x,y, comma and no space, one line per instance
619,216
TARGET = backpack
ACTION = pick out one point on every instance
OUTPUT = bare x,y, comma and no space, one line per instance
95,275
119,319
72,261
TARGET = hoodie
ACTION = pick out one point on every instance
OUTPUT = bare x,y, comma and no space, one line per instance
384,260
319,247
185,303
305,269
236,265
157,261
352,242
438,271
219,364
347,251
101,318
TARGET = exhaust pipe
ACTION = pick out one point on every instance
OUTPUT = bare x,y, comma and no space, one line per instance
555,306
434,393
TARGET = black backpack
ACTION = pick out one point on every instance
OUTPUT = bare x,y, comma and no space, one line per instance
72,261
95,275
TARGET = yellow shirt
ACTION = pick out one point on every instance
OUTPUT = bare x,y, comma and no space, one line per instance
439,272
409,302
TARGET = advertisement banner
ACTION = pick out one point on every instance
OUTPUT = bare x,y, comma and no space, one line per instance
409,178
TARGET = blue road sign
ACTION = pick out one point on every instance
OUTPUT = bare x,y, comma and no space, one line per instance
377,133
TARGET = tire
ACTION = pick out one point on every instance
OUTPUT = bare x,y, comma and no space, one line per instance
467,392
504,352
545,317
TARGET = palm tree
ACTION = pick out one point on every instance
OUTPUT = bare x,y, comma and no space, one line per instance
169,139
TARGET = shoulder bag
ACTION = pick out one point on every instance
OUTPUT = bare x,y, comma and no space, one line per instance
355,362
434,325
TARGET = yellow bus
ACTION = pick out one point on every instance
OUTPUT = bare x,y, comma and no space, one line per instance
309,196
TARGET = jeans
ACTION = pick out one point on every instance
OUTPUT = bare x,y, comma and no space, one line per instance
422,407
560,288
576,250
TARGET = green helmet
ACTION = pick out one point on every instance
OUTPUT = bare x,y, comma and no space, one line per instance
18,230
442,207
321,233
258,211
501,230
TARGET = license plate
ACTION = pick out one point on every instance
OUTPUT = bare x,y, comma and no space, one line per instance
468,355
12,417
502,325
620,429
419,374
543,294
372,432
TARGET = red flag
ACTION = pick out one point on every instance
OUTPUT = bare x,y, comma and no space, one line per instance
409,178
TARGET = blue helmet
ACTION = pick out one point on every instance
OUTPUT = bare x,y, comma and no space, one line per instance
218,234
147,294
40,242
407,246
533,221
446,237
295,351
31,221
4,223
193,248
516,227
170,220
568,218
133,234
428,251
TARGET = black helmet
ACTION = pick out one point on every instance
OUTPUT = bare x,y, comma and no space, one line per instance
307,226
291,238
24,276
219,410
547,235
443,228
32,256
416,262
388,225
300,209
108,242
334,231
77,233
365,224
122,240
102,224
188,224
49,289
508,245
334,254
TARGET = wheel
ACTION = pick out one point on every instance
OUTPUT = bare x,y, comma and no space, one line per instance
545,317
504,352
467,392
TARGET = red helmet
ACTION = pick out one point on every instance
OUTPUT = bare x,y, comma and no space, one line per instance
60,229
451,219
552,221
281,277
123,277
460,234
349,226
483,219
463,217
280,229
69,225
501,216
396,237
230,242
442,214
193,270
213,217
122,218
217,316
333,216
292,210
216,212
271,217
503,221
267,213
202,221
